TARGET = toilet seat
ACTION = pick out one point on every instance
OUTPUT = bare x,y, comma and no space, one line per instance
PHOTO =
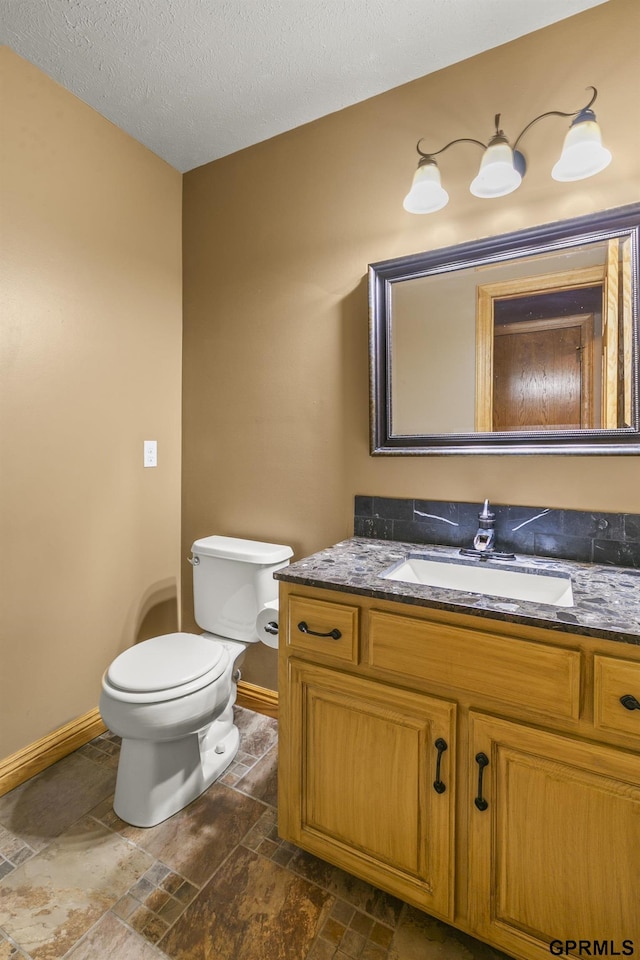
166,667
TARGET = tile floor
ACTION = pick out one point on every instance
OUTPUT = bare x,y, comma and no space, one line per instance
214,882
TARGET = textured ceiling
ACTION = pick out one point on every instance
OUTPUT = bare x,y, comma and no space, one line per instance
195,80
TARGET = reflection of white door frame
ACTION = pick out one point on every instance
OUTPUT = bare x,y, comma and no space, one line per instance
585,322
487,294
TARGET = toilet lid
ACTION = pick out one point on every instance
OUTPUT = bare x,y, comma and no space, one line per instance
167,661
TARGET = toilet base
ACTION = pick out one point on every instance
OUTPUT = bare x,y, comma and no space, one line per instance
158,778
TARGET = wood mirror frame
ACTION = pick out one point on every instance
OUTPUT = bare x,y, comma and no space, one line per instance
620,340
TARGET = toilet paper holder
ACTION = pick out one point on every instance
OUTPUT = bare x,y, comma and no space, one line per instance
272,628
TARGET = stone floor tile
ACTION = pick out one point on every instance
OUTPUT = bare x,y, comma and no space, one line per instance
125,906
157,873
52,900
333,931
265,828
180,889
106,759
352,943
366,898
107,745
421,937
381,935
229,779
268,848
157,899
108,735
252,909
105,813
13,848
141,889
282,855
261,781
22,855
9,952
258,734
170,910
112,940
373,952
321,950
148,924
41,809
343,912
361,924
196,840
91,752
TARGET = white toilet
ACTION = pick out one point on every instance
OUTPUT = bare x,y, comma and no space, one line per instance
171,698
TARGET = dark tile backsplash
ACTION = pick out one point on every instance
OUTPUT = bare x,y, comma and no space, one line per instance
606,538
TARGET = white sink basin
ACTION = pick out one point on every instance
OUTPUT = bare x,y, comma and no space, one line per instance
476,577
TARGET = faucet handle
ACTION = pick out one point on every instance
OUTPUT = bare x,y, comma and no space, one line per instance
485,513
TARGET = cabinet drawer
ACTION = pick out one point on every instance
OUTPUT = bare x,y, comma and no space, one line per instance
530,675
309,618
613,680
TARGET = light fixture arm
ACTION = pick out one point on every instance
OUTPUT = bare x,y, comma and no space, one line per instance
429,156
555,113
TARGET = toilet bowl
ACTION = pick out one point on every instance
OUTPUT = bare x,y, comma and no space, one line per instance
171,698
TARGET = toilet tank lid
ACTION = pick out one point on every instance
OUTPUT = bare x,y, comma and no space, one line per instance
250,551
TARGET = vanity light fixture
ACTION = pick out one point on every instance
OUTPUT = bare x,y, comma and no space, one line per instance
503,166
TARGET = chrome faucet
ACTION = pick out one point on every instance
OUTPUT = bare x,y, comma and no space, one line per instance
485,537
484,542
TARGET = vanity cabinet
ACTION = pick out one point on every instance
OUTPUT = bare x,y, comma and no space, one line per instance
481,770
367,761
555,848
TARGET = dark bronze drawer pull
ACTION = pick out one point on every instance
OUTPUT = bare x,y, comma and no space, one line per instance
483,761
334,634
629,702
441,746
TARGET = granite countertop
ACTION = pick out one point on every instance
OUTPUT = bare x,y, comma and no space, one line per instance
606,599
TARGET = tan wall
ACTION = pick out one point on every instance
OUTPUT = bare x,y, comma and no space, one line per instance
277,239
90,367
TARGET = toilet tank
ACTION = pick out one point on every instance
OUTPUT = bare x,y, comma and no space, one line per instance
232,581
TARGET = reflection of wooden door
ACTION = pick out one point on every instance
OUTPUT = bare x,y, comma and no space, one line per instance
542,374
529,290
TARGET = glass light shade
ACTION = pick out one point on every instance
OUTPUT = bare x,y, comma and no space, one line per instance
582,154
427,193
497,175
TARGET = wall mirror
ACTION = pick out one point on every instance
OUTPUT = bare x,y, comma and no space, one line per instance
521,343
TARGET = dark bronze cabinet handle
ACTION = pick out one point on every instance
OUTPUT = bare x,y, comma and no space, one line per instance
629,702
441,746
483,761
334,634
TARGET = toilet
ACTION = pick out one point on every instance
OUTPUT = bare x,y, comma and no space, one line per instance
171,698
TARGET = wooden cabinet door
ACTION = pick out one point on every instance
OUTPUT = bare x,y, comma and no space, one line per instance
361,783
555,851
